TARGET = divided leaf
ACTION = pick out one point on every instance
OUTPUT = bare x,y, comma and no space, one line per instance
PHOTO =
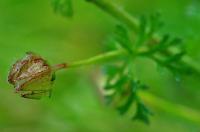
142,113
155,24
165,50
124,90
121,35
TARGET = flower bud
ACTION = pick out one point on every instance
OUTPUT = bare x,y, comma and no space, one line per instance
32,77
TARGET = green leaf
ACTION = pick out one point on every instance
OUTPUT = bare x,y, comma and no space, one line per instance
142,113
134,87
123,109
125,90
142,33
110,43
122,37
155,23
118,84
148,28
63,7
175,58
165,44
162,45
177,67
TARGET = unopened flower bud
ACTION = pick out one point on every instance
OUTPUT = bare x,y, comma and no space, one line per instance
32,77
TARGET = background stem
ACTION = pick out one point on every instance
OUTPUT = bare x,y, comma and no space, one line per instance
117,12
171,108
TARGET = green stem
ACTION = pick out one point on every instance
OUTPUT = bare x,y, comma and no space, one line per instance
117,12
102,58
173,109
113,55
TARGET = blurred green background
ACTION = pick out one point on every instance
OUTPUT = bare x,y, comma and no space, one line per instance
31,25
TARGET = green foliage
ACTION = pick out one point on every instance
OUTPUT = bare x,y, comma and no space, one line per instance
123,90
120,79
121,86
142,113
122,37
63,7
165,51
